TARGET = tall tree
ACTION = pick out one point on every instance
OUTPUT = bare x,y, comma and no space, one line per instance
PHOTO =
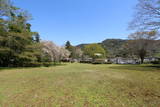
52,52
75,52
17,47
64,53
142,44
5,6
147,15
36,36
68,45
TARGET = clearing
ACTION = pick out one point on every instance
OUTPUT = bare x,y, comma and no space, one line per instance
81,85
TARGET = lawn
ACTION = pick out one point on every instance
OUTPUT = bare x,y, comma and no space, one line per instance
81,85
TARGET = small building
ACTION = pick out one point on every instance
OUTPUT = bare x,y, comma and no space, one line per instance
98,54
120,60
150,59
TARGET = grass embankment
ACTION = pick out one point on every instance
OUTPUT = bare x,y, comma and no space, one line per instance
81,85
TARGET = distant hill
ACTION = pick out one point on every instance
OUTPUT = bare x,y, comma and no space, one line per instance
113,46
81,45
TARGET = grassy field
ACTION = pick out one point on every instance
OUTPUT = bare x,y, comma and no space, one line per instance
81,85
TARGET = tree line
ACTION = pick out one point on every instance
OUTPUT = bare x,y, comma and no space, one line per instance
19,45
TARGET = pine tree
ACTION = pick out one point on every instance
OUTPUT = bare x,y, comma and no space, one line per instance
19,46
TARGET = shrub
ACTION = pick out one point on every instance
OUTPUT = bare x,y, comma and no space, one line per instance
33,64
155,62
47,64
98,61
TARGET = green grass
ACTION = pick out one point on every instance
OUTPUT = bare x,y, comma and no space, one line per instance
81,85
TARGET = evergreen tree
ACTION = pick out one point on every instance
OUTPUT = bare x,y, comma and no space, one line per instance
19,46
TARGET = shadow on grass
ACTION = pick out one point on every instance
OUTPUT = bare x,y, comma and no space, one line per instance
154,66
151,68
12,68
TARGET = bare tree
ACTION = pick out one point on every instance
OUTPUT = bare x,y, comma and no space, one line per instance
142,43
147,15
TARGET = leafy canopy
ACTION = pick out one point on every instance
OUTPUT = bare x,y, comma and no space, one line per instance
94,51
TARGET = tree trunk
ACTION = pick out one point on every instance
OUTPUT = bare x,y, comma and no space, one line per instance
142,60
142,55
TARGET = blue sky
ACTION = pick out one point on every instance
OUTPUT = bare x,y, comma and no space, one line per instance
79,21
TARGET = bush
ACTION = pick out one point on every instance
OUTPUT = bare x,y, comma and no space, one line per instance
85,61
155,62
47,64
32,64
98,61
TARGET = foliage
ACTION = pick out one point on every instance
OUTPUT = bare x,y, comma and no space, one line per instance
76,52
94,51
68,46
52,52
17,44
114,47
